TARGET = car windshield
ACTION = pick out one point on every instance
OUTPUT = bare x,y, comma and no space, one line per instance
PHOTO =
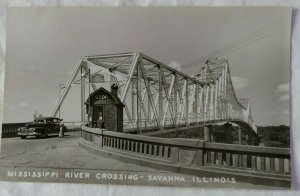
47,120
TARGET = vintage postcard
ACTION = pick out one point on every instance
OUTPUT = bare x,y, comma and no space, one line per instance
187,97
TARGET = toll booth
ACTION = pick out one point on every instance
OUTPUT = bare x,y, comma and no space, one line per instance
105,110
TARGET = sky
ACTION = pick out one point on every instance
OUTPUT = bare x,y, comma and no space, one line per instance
44,44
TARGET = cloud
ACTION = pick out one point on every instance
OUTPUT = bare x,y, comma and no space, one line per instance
283,88
23,104
239,82
285,97
175,65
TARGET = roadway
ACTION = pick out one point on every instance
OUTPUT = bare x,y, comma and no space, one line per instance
65,154
57,152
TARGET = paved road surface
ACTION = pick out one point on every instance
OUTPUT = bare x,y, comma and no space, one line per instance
65,153
58,153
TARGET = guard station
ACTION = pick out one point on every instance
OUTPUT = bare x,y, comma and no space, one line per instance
105,110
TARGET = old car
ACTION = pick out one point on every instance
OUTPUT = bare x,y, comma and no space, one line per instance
41,127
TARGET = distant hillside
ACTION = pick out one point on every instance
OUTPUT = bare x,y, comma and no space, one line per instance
275,136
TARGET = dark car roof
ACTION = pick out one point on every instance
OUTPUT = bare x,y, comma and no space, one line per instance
46,118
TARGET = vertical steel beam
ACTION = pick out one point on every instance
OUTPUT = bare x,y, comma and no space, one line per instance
145,111
149,102
206,96
221,102
217,94
211,102
133,99
82,84
139,97
196,104
200,105
225,78
190,104
222,97
187,103
181,96
168,103
219,99
216,99
175,100
160,98
195,95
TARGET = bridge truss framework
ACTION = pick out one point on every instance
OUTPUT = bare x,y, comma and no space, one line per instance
157,96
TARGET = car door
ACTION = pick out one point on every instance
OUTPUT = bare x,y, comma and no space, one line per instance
50,126
56,125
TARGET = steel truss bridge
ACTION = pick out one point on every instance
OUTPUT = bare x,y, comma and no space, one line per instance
157,96
159,99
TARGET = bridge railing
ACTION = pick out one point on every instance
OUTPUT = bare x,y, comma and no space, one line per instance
193,153
255,158
73,126
148,147
11,129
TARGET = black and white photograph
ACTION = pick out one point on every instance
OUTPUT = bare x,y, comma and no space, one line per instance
159,96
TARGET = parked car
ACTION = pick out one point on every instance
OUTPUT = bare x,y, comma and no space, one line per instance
41,127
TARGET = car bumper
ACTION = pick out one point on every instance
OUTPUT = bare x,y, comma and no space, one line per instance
28,133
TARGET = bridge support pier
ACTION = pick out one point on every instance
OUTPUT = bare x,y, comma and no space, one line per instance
240,134
228,133
207,133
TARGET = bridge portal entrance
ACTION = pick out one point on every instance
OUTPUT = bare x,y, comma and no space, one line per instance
105,110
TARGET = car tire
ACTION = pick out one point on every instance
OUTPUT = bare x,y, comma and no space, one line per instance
40,136
23,137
